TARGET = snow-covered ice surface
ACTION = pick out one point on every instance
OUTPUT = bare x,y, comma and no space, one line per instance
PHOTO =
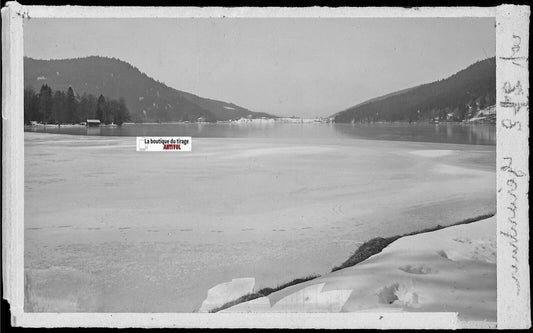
109,229
432,153
449,270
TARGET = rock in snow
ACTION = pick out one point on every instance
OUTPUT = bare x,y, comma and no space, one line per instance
226,292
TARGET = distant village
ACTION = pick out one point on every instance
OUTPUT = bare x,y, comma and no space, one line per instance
249,120
484,116
265,120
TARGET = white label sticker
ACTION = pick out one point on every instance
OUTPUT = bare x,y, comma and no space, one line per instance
164,143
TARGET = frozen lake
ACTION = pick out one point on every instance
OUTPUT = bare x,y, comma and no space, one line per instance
476,134
114,230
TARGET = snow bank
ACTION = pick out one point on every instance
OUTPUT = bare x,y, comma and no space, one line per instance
226,292
449,270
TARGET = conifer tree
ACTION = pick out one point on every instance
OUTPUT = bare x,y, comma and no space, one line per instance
101,109
71,106
45,103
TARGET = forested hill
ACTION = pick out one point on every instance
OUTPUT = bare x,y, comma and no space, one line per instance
461,94
146,98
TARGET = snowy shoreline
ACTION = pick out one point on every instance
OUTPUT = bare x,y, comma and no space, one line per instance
452,269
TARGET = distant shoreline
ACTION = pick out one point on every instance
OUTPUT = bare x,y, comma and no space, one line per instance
274,120
445,133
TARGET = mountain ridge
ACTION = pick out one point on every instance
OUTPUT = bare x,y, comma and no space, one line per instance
460,94
147,98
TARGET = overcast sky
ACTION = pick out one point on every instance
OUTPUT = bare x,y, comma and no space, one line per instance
303,67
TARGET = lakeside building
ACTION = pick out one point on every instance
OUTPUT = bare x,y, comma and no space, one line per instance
486,115
297,120
93,122
253,121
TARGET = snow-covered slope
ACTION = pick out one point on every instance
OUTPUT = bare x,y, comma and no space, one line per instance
449,270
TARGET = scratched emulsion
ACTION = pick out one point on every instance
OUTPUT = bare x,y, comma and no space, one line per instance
114,230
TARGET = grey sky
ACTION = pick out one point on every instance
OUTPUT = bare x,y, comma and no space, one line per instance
303,67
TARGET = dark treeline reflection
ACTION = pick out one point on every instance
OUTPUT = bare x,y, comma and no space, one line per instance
478,134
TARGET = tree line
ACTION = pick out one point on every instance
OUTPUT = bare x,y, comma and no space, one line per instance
59,107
